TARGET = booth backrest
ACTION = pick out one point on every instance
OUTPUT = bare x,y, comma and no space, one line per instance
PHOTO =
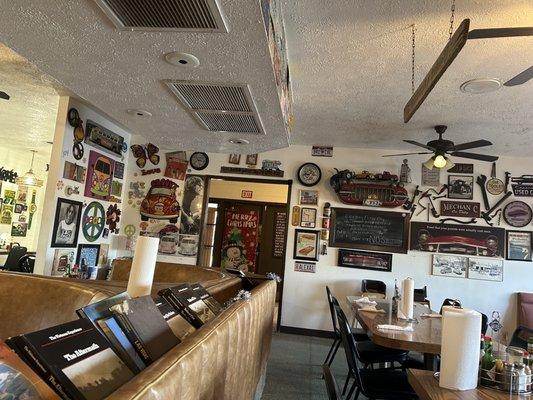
32,302
224,360
525,310
168,272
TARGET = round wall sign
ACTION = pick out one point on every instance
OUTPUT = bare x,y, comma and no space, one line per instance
309,174
199,161
93,221
517,214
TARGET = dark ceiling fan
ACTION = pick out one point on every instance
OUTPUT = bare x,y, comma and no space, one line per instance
442,147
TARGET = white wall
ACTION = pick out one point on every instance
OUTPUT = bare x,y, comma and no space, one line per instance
62,151
304,300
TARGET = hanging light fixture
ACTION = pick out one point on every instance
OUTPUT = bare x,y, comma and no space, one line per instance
29,178
438,161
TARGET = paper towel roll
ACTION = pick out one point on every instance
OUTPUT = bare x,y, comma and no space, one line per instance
143,266
461,333
408,294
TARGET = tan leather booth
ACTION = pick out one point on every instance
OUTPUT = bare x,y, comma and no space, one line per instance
31,302
525,310
224,360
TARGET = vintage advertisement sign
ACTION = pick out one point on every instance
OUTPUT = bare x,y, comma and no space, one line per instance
523,190
241,232
322,151
300,266
462,169
459,209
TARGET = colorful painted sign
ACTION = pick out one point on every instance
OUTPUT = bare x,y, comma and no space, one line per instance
93,221
99,176
241,232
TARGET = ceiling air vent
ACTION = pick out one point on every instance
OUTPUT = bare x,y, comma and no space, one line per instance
163,15
218,107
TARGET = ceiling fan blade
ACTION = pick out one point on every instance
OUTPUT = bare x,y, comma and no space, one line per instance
446,57
521,78
481,157
406,154
488,33
4,95
472,145
425,146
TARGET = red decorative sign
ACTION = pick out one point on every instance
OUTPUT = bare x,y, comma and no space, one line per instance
241,232
247,194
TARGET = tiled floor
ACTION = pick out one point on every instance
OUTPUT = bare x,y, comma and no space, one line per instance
295,368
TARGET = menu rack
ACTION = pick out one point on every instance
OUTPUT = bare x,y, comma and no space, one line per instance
510,382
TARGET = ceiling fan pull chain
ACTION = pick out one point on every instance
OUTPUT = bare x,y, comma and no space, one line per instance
452,17
413,37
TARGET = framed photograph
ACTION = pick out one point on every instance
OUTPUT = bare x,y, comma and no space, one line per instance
63,260
251,159
19,229
119,170
88,254
309,197
300,266
451,266
306,244
485,269
308,217
460,187
19,207
519,245
365,260
234,159
66,223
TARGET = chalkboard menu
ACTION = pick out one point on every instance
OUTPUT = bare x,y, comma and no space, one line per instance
369,230
280,227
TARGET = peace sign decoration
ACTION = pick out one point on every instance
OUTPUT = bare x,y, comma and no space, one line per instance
93,221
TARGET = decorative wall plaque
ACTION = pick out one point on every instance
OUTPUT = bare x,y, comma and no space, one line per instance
462,169
459,209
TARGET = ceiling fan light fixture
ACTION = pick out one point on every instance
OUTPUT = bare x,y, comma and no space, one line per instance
439,161
429,163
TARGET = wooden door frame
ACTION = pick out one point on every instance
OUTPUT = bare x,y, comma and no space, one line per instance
287,182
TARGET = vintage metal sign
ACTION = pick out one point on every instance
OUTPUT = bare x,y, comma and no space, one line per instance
459,209
523,190
304,267
462,169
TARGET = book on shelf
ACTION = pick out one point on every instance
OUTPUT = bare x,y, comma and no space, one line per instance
211,302
101,317
145,327
18,381
183,299
177,323
74,359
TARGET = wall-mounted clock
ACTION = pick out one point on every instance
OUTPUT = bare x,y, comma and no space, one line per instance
199,160
309,174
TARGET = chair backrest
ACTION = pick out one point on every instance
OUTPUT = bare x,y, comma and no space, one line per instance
420,295
450,302
27,263
525,309
484,323
15,254
332,310
349,345
331,384
520,337
371,286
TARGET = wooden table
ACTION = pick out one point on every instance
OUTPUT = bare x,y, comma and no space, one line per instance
427,388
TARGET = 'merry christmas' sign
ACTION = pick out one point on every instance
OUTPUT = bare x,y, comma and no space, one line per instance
239,244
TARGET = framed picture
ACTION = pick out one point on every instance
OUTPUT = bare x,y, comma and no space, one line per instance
308,217
19,207
365,260
66,223
251,159
309,197
464,240
63,260
460,187
451,266
519,245
485,269
99,176
306,244
88,254
119,170
234,159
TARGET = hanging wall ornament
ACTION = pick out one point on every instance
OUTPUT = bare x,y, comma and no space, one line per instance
113,218
77,150
93,221
517,214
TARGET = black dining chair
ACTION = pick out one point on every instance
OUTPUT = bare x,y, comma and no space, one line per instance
450,302
484,323
331,384
375,384
369,286
369,353
359,334
520,337
13,258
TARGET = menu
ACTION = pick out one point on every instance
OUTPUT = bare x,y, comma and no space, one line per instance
280,226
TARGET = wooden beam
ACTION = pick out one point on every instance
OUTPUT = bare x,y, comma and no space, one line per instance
446,57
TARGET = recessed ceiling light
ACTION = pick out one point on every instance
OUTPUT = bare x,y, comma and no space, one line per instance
238,141
182,59
139,113
481,85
